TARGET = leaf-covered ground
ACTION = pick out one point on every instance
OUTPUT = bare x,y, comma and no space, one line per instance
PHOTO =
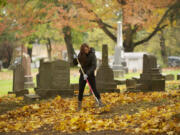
124,113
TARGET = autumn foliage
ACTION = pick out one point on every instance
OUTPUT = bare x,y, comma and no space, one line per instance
150,15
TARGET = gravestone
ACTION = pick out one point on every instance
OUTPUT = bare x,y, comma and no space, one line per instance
169,77
104,77
119,65
151,79
26,63
18,73
131,84
120,82
22,79
31,97
178,76
18,81
54,79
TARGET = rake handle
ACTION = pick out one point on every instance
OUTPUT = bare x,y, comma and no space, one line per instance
86,79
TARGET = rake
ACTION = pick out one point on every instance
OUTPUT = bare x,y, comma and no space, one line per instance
87,79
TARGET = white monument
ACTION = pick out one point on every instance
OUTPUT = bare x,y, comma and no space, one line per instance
119,64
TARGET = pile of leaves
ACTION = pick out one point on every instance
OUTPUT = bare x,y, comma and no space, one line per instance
11,98
62,115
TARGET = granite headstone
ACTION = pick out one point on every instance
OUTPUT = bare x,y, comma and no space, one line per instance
54,79
151,79
26,63
178,76
104,77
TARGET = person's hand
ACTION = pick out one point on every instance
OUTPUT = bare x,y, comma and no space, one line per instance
85,77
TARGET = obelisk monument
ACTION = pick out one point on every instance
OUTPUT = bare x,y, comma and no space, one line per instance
119,65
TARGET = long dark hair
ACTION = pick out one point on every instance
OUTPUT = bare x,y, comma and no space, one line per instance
82,56
82,48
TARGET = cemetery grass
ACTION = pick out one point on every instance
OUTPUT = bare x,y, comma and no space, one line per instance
6,79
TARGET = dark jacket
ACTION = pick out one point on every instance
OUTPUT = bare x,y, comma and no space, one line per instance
89,66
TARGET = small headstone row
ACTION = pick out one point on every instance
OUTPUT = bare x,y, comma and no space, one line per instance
171,77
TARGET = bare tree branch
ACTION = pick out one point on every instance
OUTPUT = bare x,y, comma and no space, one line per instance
150,36
100,22
107,25
158,28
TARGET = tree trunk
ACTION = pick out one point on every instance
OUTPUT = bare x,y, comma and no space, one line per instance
30,53
163,47
6,51
128,49
128,42
49,48
69,45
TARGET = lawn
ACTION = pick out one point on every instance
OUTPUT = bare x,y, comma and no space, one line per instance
6,78
5,86
6,82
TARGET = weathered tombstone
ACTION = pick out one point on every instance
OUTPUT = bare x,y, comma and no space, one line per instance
18,80
169,77
54,79
151,79
22,79
26,63
119,65
178,76
104,77
131,84
120,82
31,97
18,73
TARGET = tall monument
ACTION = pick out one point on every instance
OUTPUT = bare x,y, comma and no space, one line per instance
119,65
